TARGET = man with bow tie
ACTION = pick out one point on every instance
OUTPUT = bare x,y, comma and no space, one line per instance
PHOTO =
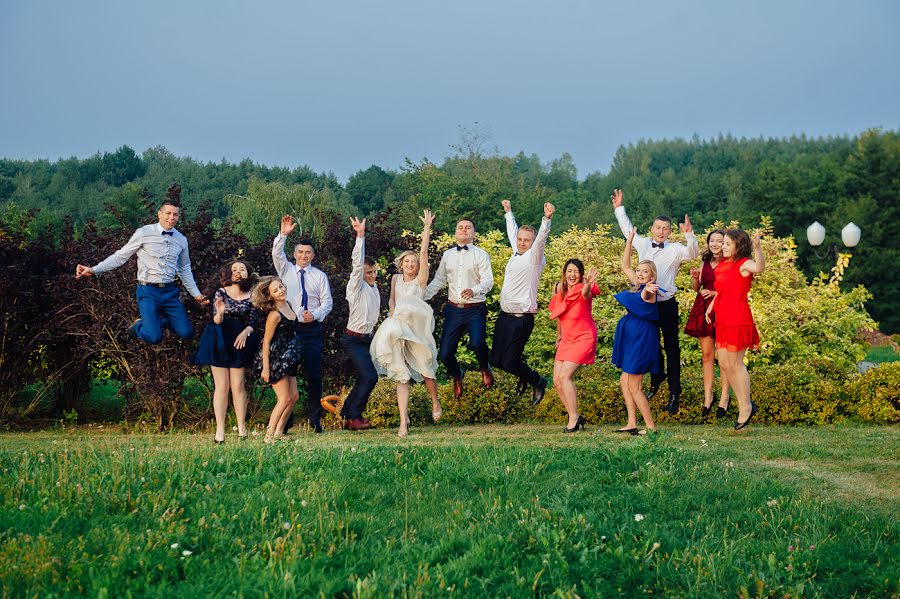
518,300
668,257
162,254
466,270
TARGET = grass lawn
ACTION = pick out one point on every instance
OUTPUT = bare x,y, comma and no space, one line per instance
699,511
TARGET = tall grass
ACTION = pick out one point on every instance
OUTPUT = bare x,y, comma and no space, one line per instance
474,511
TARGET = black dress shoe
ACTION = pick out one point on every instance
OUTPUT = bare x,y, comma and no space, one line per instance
654,387
627,431
739,425
521,386
674,400
538,393
316,426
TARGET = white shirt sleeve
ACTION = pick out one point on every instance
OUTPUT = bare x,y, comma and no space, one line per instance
540,242
512,229
439,280
121,256
693,249
279,259
183,266
327,302
356,275
485,274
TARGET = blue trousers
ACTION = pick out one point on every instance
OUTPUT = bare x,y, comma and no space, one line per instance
458,322
161,307
366,376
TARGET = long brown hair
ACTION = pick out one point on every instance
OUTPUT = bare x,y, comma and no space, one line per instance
261,297
563,285
224,279
707,254
742,246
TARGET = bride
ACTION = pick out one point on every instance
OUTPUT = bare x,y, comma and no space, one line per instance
403,347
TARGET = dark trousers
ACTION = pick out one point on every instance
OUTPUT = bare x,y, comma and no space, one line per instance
511,334
457,322
668,326
161,307
366,377
311,338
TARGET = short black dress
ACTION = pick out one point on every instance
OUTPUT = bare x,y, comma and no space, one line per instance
284,352
217,342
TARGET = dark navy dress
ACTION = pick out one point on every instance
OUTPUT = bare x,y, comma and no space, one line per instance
636,344
217,342
284,352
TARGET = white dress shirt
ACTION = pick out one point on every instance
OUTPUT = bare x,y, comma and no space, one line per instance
518,295
318,291
364,299
463,269
159,257
668,258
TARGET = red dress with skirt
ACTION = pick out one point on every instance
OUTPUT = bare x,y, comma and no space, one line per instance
696,322
735,329
578,331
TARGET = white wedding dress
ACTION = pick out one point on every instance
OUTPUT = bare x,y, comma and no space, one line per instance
403,347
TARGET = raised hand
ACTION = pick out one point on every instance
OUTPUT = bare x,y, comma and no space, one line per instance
686,225
288,225
631,234
695,273
83,271
590,277
757,236
359,226
427,218
506,205
616,197
219,305
549,209
651,287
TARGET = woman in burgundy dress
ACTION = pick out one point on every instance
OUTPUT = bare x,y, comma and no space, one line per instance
735,330
703,282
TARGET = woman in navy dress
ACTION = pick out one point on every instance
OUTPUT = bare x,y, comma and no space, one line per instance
636,343
229,342
280,352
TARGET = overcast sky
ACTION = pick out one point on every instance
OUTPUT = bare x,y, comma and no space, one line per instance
342,85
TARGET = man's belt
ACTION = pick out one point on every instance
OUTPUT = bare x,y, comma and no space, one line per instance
160,285
355,334
466,306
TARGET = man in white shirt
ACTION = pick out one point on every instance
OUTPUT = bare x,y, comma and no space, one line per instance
668,257
466,270
309,294
162,254
518,300
365,305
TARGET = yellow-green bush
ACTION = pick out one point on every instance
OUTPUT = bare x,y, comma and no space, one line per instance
875,395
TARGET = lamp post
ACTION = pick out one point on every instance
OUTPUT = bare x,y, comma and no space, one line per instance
815,235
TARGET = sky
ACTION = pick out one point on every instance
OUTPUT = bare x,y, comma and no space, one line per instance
340,85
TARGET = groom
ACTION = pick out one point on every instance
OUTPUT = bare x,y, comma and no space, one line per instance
466,269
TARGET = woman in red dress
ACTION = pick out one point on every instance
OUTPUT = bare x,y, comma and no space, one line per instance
576,333
735,330
703,282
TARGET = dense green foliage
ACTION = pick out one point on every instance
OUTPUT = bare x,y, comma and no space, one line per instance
474,511
795,181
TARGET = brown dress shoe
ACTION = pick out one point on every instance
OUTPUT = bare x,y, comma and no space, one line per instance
487,377
357,424
457,386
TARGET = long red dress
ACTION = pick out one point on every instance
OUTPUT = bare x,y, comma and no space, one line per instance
578,331
696,322
735,329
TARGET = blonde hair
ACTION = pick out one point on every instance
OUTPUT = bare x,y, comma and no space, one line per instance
398,261
652,266
260,297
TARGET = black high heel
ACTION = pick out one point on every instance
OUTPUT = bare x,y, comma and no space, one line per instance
721,412
578,424
706,409
739,425
627,431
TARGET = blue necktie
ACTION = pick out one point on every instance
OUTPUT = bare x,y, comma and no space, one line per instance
304,298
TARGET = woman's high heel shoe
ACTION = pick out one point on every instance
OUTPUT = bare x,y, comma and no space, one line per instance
721,412
578,424
435,416
404,430
707,409
739,425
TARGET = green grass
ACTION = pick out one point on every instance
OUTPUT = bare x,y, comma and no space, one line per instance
881,354
471,511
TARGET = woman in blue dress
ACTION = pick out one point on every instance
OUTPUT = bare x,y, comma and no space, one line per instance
636,343
229,343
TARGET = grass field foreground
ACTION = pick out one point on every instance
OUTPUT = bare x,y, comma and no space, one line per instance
469,511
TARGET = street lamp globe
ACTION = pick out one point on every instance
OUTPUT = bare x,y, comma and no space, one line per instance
850,235
815,234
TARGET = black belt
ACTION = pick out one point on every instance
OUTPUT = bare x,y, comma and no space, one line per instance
517,315
160,285
466,306
355,334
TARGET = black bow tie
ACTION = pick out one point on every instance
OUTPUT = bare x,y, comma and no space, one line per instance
460,248
657,245
168,232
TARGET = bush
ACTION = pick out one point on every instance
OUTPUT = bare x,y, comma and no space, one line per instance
875,396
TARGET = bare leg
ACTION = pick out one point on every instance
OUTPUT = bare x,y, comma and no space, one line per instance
239,397
629,402
220,399
403,404
293,396
640,400
436,409
282,391
563,373
708,349
739,379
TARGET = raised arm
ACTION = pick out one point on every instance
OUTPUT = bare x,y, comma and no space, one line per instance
427,218
540,242
512,228
279,258
758,264
619,209
693,248
590,284
626,258
355,282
